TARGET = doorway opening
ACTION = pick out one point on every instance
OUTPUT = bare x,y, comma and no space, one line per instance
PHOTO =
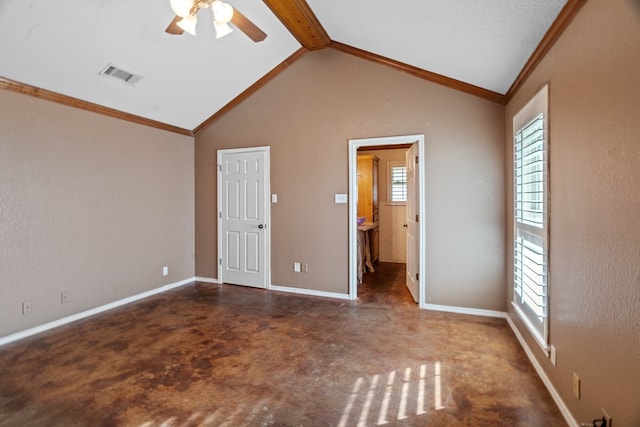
415,250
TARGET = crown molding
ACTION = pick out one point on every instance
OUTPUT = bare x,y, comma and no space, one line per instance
421,73
298,17
69,101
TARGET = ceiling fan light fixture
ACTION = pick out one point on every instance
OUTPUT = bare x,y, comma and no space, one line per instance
222,12
222,29
182,8
188,23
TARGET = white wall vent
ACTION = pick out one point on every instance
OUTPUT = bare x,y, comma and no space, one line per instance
118,73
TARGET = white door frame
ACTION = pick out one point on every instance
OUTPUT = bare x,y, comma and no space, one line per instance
354,144
267,208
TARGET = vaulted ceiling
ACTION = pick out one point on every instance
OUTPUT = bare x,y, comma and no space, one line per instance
55,50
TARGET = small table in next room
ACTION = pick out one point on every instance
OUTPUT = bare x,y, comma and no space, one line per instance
367,247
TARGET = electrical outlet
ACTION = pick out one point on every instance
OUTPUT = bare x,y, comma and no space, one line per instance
553,355
606,416
305,267
65,297
165,270
576,385
26,307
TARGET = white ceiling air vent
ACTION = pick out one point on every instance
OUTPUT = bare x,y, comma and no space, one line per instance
120,74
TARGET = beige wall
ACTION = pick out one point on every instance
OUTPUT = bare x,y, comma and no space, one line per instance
594,272
307,114
393,236
89,205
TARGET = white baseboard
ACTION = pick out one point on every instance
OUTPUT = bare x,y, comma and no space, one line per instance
543,376
310,292
466,310
205,279
452,309
72,318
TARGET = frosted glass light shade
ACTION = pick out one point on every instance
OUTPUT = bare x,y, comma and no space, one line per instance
222,12
181,7
188,23
222,29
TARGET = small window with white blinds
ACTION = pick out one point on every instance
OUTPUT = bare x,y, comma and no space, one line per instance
530,250
397,179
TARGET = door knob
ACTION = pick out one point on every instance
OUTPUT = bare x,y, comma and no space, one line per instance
261,226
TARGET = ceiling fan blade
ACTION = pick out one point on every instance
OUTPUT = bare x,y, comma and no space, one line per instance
246,26
173,27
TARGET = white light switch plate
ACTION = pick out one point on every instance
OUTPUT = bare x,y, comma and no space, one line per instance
274,198
341,198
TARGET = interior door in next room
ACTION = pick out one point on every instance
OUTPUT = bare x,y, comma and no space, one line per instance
413,209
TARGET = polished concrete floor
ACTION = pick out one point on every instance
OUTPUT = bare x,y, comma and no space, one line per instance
216,355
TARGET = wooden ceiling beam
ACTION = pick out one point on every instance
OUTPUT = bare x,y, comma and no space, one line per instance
300,20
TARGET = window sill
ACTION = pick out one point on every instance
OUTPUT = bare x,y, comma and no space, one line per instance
542,342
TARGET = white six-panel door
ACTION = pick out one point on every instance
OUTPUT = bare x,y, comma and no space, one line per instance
243,216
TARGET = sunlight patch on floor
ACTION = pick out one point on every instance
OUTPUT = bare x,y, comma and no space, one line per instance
239,416
438,388
382,419
405,393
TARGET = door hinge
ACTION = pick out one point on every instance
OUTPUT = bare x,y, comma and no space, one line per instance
417,276
220,168
416,160
220,261
220,215
417,217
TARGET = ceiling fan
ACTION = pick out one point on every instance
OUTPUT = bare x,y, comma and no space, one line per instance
223,13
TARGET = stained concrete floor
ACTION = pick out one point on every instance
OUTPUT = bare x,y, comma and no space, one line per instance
219,355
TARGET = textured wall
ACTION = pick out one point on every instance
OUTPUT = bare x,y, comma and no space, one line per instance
594,276
89,205
307,114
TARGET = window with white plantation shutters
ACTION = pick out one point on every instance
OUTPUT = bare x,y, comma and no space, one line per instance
397,178
530,216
